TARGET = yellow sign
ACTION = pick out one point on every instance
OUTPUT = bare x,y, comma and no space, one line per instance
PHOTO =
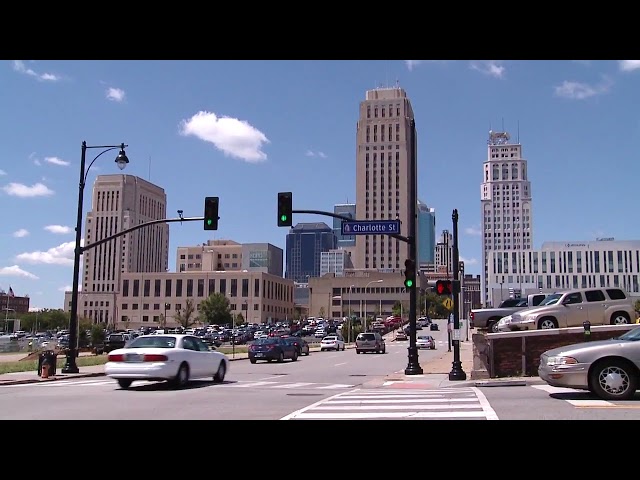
448,303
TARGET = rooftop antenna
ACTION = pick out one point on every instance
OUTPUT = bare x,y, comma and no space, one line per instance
149,167
397,82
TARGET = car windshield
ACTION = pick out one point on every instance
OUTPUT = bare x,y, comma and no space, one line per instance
155,341
366,336
550,299
423,338
265,341
631,335
331,339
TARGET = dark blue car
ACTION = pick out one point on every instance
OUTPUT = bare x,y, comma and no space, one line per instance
273,348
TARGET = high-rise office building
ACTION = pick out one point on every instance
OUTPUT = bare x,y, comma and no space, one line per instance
120,202
304,246
426,234
346,210
505,196
382,188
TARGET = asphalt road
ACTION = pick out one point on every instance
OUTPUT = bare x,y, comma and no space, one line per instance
258,391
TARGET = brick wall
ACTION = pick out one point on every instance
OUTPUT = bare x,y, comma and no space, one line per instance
506,349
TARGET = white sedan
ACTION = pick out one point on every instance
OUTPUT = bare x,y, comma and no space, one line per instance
173,358
331,342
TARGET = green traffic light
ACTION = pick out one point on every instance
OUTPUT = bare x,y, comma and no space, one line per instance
283,218
408,283
209,221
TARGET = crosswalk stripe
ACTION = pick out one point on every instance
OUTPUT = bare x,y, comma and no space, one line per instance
294,385
386,415
576,403
414,406
335,386
252,384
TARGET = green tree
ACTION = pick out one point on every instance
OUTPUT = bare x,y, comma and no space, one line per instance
97,334
215,310
184,317
239,319
321,312
397,308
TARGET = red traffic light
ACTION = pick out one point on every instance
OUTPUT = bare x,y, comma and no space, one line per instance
444,287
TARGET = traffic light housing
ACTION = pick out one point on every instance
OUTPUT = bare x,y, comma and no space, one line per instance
444,287
211,213
409,273
285,209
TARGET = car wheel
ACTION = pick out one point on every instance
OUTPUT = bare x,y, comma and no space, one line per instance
620,318
295,357
182,377
124,383
547,323
357,351
222,371
613,380
343,347
252,360
281,357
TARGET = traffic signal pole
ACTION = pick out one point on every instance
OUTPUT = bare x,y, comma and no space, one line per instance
413,365
456,372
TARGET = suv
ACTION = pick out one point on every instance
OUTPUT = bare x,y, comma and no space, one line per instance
600,306
370,342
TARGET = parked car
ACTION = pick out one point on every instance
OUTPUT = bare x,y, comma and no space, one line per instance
434,327
332,342
608,368
272,348
601,306
300,344
488,318
115,341
370,342
426,341
174,358
401,335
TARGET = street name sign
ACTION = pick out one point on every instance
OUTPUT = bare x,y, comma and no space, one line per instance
371,227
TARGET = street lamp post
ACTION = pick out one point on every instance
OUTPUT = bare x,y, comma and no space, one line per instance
166,307
350,321
365,301
233,332
122,161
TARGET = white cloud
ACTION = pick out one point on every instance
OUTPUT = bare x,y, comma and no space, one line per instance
36,309
473,231
411,64
66,288
57,161
236,138
16,271
469,261
629,65
493,68
57,229
20,190
20,67
115,94
581,91
2,172
315,154
37,162
60,255
21,233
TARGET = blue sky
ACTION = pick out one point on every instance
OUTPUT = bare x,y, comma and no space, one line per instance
245,130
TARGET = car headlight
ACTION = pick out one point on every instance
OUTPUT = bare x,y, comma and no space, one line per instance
556,361
505,320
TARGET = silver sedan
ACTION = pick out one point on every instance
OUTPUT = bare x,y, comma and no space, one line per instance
608,368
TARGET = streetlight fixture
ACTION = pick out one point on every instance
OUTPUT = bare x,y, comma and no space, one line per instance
121,160
365,301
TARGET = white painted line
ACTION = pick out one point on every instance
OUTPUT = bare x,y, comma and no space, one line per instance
335,385
417,391
390,382
300,412
338,364
270,377
591,403
252,384
294,385
486,406
550,389
402,400
381,415
415,407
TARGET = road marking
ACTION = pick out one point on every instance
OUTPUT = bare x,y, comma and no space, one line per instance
338,364
252,384
335,385
587,403
486,406
374,404
293,385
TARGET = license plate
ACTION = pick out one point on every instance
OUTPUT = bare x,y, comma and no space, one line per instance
133,357
259,354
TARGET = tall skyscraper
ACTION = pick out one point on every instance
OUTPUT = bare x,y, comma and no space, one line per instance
382,189
304,247
426,234
346,210
120,202
505,196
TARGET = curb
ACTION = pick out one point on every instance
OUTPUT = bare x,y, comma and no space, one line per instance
50,379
